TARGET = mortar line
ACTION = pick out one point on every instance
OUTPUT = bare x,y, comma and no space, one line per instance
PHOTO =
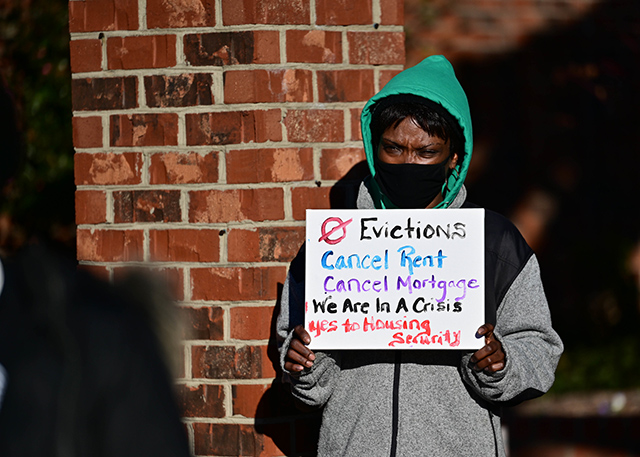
312,12
218,13
103,48
182,129
233,28
228,400
347,123
314,85
142,100
288,204
146,159
181,60
184,205
317,173
146,255
142,14
105,131
109,209
376,10
283,46
186,282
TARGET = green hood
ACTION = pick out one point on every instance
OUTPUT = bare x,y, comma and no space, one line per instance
434,79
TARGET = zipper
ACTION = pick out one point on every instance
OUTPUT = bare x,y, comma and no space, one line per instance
395,404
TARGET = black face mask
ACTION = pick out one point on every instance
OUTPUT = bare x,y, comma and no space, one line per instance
411,185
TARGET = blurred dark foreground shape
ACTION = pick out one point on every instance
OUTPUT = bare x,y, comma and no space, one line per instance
84,366
85,372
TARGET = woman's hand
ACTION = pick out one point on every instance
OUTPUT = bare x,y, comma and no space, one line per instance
299,356
490,357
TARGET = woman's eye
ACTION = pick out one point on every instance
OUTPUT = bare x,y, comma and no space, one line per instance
427,153
390,149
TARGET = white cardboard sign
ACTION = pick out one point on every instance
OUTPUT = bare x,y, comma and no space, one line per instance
394,279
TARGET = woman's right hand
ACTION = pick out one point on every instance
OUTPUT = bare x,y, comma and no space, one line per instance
299,356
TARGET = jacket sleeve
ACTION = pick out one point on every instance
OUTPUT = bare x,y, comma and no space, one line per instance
314,385
532,348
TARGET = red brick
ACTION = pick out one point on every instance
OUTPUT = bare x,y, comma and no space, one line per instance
243,245
345,85
229,362
87,132
343,12
206,323
386,76
356,133
265,86
335,163
91,207
107,168
251,323
144,129
234,283
233,127
266,244
304,198
184,245
201,401
211,206
104,93
178,90
314,46
269,165
178,168
86,55
241,439
174,280
315,125
376,48
232,48
192,13
103,15
147,206
280,244
392,12
246,398
109,245
285,12
151,51
266,48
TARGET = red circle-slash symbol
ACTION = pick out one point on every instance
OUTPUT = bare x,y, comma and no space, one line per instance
341,225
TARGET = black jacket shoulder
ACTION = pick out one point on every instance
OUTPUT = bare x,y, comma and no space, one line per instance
506,254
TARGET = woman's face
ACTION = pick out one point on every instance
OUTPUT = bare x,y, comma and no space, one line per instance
408,143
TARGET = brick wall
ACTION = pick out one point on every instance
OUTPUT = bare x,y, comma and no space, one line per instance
203,129
475,30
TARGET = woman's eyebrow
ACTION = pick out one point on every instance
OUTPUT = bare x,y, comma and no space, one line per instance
386,140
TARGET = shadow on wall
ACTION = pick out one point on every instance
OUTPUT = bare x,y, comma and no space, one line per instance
294,428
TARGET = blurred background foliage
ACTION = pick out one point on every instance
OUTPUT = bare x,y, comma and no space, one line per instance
34,66
554,95
554,90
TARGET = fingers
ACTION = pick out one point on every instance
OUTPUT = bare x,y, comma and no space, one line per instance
490,357
299,356
485,330
301,333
